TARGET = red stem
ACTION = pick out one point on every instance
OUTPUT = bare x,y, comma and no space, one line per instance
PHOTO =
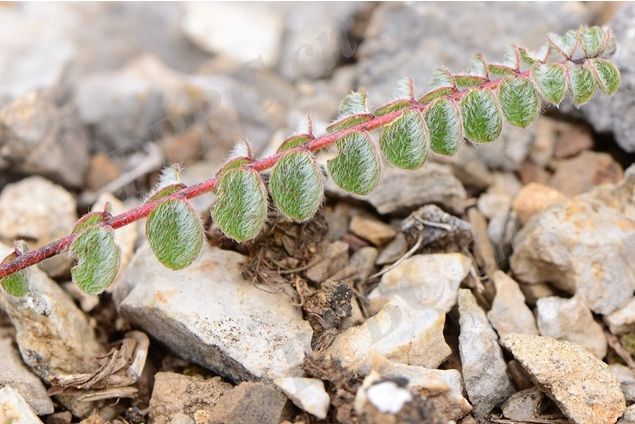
140,212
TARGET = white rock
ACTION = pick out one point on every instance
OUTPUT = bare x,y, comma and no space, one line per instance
388,397
626,378
509,313
629,416
400,333
36,209
523,405
54,337
570,320
423,281
581,246
251,34
14,409
13,373
209,314
484,370
444,388
306,393
622,320
583,387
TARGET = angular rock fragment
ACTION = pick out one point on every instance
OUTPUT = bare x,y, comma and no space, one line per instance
583,387
509,313
524,405
14,409
249,403
306,393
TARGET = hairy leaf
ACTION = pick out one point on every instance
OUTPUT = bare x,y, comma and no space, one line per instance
436,93
294,141
89,220
482,120
531,58
296,186
354,103
240,209
16,284
593,40
160,193
174,233
97,257
581,83
550,80
565,44
393,106
606,75
519,101
405,141
442,77
443,119
349,121
464,81
356,167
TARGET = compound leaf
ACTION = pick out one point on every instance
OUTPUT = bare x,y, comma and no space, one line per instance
593,40
443,119
482,120
404,141
356,167
97,257
550,80
581,83
566,43
174,233
240,209
519,101
606,75
296,186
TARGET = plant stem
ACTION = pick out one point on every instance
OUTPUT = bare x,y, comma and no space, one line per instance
36,256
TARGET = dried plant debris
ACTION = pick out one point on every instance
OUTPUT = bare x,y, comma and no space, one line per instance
431,228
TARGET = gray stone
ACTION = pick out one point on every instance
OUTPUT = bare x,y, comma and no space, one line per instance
122,109
628,417
570,320
582,246
616,114
376,232
54,337
13,373
509,313
39,211
333,259
209,314
583,387
38,137
622,320
184,399
626,378
307,394
14,409
393,250
364,261
401,191
249,403
483,367
423,281
523,405
399,332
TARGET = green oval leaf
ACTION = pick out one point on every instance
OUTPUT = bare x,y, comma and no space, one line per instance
97,259
393,106
593,40
166,191
482,120
296,186
581,83
464,81
565,44
606,75
174,233
240,209
550,80
348,121
405,141
436,93
295,141
356,167
519,101
16,284
443,119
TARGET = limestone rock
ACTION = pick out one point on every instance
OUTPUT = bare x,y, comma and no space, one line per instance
629,416
333,259
626,378
534,198
523,405
209,314
306,393
38,210
622,320
13,373
399,332
376,232
570,320
590,169
509,313
184,399
14,409
583,387
423,281
393,250
364,261
581,246
483,367
249,403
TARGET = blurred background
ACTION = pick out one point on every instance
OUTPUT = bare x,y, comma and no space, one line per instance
98,96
